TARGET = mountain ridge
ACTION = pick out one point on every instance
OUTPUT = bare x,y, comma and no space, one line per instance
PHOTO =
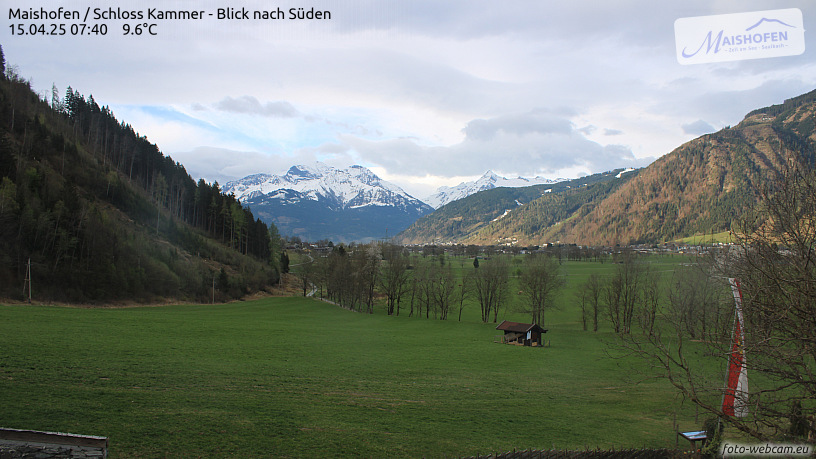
458,221
489,180
323,202
700,187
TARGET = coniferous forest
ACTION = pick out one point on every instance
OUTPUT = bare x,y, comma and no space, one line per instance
91,210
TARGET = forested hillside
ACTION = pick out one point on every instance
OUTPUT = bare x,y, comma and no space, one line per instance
705,185
102,214
481,216
702,187
529,224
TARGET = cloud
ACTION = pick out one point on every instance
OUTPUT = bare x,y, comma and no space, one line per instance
526,144
423,88
224,164
537,122
698,127
251,106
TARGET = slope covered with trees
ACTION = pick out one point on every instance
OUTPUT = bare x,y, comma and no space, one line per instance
102,214
705,185
534,223
702,187
476,217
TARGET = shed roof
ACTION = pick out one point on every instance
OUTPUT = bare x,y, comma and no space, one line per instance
519,327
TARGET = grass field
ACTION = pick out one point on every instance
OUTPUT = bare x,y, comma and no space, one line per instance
706,239
295,377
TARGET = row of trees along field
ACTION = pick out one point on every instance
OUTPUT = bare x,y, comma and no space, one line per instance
102,214
681,322
433,285
627,298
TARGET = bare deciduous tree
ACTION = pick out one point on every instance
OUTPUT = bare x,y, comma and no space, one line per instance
365,261
540,283
490,283
394,278
463,293
306,273
696,305
624,292
774,259
443,287
650,301
592,291
776,265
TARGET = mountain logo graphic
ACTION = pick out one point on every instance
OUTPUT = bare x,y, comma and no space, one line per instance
763,20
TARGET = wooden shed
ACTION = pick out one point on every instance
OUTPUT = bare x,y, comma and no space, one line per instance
519,333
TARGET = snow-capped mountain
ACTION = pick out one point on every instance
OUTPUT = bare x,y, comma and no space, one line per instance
489,180
323,202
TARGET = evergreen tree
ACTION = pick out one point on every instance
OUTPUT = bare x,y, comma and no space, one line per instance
284,258
56,103
104,215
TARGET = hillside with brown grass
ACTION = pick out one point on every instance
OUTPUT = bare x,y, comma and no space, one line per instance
702,187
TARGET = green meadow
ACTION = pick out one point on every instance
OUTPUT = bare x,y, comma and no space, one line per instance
296,377
711,238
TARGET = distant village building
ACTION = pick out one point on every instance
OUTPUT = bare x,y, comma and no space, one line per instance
519,333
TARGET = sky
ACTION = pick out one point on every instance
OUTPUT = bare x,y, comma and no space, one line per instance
424,93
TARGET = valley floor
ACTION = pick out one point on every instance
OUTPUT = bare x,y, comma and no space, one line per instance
295,377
